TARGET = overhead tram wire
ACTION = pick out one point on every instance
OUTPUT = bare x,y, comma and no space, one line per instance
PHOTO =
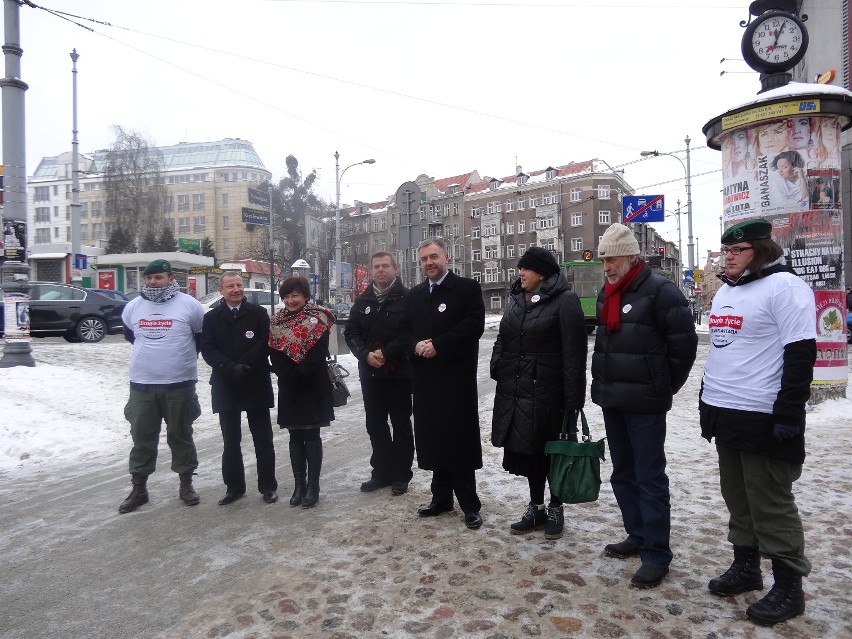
324,77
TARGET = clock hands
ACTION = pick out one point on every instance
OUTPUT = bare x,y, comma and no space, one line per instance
774,45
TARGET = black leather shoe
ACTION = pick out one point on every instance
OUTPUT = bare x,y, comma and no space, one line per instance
271,497
472,520
374,484
622,550
399,488
434,509
230,498
649,576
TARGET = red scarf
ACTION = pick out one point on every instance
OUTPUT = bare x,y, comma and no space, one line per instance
611,309
294,334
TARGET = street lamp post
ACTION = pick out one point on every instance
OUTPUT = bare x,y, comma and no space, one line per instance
688,173
338,175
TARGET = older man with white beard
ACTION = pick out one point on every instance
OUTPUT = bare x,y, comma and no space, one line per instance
645,346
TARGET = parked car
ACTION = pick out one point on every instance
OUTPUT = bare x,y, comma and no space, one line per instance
341,310
258,296
77,314
116,295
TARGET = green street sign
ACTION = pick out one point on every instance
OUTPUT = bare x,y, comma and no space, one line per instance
186,244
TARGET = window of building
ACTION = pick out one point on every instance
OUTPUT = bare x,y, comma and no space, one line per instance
511,274
226,245
575,194
510,206
56,232
489,208
490,229
550,174
522,248
456,229
198,202
68,212
446,210
42,194
84,209
168,203
533,200
183,203
492,275
547,198
603,217
476,255
477,276
547,222
393,238
510,228
522,178
522,226
474,211
97,231
84,231
96,212
42,236
55,211
498,207
425,231
474,232
225,199
603,191
522,203
550,244
375,225
491,252
576,219
183,225
455,208
42,214
576,243
510,250
383,224
533,225
226,222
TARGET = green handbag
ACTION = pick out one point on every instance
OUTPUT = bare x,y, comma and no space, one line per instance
575,467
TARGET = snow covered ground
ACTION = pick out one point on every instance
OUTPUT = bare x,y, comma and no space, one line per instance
404,577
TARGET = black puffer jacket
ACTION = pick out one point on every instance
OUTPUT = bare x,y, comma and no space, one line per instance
642,366
373,325
539,363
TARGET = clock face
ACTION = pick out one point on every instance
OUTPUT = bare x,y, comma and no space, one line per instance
778,41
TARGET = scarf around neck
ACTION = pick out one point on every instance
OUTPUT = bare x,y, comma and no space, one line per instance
381,294
160,295
611,309
295,334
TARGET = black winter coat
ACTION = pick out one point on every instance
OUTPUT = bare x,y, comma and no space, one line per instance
304,389
373,325
227,340
640,368
539,364
446,399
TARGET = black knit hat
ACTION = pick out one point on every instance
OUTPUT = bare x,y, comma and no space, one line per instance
539,260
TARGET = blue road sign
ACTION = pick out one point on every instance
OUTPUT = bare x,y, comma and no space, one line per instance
258,197
688,276
643,208
80,261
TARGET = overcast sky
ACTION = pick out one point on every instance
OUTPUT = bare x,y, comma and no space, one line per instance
431,87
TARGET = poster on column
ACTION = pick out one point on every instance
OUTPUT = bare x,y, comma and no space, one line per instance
790,164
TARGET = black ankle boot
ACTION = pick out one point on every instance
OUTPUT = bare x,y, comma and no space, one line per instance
743,575
784,601
533,519
299,464
313,451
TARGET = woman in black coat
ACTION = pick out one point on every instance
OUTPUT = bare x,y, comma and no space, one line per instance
298,342
539,364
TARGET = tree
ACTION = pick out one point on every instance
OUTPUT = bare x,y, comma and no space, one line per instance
149,243
134,185
207,247
167,243
120,242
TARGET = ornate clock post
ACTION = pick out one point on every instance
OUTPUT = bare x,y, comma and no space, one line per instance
781,162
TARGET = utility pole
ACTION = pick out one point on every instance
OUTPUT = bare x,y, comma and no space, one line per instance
15,274
75,175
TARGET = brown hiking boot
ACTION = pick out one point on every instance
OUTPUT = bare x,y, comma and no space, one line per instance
187,492
137,496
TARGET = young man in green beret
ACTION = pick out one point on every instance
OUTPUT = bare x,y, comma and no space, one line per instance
753,395
164,326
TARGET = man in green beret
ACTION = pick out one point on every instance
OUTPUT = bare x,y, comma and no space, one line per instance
753,395
164,326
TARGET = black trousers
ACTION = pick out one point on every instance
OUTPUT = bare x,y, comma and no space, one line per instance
393,453
233,471
462,483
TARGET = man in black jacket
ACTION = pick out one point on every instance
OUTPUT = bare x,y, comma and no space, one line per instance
234,344
372,334
645,346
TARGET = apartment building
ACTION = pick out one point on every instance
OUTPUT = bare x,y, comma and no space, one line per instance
205,190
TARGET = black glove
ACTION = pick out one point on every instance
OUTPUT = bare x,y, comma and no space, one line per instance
240,371
783,432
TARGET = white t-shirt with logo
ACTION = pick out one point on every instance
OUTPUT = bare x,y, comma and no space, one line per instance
164,350
749,327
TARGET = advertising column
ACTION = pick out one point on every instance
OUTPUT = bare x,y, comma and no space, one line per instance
781,162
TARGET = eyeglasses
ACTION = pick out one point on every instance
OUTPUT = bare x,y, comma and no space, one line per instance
735,250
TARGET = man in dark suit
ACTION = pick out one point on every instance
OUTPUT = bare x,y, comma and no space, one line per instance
233,343
372,334
444,319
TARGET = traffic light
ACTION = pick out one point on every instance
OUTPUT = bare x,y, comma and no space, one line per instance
661,250
587,255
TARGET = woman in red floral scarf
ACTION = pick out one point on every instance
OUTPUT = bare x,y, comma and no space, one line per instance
298,342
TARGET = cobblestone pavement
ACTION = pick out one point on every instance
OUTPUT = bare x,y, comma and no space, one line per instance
376,570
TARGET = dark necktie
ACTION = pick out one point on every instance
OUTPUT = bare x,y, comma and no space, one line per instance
235,311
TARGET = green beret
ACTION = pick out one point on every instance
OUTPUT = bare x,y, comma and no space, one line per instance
158,266
747,231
